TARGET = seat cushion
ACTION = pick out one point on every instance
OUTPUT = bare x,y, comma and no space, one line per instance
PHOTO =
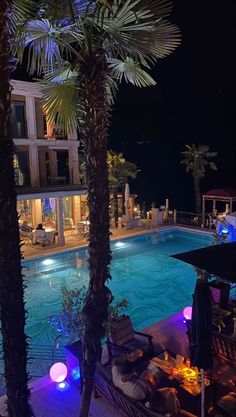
122,331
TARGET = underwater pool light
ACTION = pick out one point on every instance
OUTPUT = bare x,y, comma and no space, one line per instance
75,373
48,261
119,244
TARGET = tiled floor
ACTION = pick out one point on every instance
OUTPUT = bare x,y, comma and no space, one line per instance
73,240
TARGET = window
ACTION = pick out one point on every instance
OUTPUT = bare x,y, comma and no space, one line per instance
24,211
21,167
18,124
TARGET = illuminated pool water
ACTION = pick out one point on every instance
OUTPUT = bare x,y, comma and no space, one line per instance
142,271
155,285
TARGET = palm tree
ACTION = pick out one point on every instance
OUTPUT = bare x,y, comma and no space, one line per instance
84,49
119,170
12,306
196,159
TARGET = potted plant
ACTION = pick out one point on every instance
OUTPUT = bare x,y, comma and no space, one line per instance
69,322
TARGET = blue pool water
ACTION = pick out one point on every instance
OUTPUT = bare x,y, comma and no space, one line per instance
155,285
142,271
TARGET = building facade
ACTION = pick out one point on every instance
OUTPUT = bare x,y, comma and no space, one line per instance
50,185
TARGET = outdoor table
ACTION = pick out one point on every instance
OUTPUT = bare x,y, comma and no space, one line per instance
184,379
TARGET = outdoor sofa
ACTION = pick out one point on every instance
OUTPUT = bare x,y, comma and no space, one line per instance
103,385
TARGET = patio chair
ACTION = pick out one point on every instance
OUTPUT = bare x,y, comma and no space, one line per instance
26,236
41,237
225,406
122,338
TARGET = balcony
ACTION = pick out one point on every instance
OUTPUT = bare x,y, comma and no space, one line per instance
49,188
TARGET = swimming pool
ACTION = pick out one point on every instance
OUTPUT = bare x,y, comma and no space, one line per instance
155,285
142,271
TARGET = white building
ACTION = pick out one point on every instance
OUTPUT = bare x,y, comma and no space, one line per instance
46,165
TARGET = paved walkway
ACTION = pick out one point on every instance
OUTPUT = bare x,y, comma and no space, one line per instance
73,241
48,401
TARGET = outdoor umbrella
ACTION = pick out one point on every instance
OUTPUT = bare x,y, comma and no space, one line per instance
200,348
219,260
47,210
127,195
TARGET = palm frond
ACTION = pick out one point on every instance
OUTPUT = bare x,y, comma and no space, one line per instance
21,12
112,88
43,50
159,8
60,98
137,30
131,71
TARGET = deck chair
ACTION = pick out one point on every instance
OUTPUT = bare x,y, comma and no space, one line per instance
122,338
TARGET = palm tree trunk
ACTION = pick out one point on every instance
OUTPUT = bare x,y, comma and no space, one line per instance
94,131
197,194
11,280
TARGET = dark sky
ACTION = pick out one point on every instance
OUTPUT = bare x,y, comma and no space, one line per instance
193,102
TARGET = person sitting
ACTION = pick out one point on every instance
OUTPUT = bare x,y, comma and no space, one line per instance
127,380
165,401
139,388
25,227
49,223
40,227
41,235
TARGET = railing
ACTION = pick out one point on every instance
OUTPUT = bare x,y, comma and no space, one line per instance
189,219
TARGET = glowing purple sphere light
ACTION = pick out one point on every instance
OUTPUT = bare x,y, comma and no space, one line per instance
187,312
58,372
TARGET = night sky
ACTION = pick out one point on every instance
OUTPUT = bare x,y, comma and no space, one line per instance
193,102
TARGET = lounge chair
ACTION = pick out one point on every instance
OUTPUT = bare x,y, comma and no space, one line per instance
123,338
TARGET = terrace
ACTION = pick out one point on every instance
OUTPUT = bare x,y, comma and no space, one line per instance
169,333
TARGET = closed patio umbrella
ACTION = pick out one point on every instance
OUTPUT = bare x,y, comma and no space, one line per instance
219,260
127,195
200,348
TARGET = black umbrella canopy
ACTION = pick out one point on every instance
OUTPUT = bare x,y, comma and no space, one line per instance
219,260
200,348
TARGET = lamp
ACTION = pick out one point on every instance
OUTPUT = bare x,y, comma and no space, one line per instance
187,313
58,372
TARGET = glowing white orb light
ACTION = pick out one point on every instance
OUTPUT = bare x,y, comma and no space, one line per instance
58,372
187,312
